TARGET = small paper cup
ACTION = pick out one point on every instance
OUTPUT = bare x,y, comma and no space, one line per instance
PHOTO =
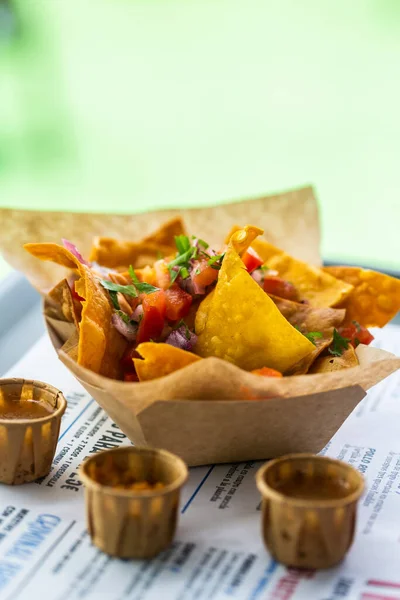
127,523
27,446
312,533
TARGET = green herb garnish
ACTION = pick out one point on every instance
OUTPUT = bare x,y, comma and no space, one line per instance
202,243
125,318
142,287
182,259
339,344
128,290
216,261
185,253
187,330
173,274
313,335
357,326
197,271
182,243
114,299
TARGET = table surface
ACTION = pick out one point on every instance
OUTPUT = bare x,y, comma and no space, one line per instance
153,104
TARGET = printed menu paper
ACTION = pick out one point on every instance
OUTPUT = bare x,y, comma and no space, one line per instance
45,550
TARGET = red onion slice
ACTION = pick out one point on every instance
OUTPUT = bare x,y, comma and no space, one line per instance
179,339
74,250
128,330
137,313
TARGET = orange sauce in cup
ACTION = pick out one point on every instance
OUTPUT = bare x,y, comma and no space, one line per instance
25,409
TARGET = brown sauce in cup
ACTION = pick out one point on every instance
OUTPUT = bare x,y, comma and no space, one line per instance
26,409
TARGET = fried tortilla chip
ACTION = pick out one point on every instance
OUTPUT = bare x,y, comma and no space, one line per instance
310,320
326,364
315,285
375,299
114,253
62,295
161,359
100,344
240,323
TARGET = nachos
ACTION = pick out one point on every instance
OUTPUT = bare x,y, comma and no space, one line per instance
143,309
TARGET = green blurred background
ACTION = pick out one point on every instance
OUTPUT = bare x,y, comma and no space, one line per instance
126,105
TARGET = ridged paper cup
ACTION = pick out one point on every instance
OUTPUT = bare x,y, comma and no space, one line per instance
308,533
127,523
27,446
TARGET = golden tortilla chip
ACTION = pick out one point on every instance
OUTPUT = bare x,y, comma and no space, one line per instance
161,359
100,344
240,323
62,295
310,320
375,299
311,283
114,253
326,364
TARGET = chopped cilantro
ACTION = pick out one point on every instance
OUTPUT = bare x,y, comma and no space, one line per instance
114,299
182,243
339,344
187,330
128,290
126,319
202,243
197,271
216,261
182,259
142,287
313,335
173,274
265,268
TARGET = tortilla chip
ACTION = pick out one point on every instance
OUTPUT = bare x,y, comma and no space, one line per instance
375,299
161,359
311,283
62,295
114,253
100,344
244,238
329,363
240,323
71,347
309,319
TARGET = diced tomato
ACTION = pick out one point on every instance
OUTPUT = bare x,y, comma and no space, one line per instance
178,303
126,361
267,372
281,288
152,323
356,334
203,274
251,260
131,377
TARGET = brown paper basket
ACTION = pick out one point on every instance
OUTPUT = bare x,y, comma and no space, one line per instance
196,412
